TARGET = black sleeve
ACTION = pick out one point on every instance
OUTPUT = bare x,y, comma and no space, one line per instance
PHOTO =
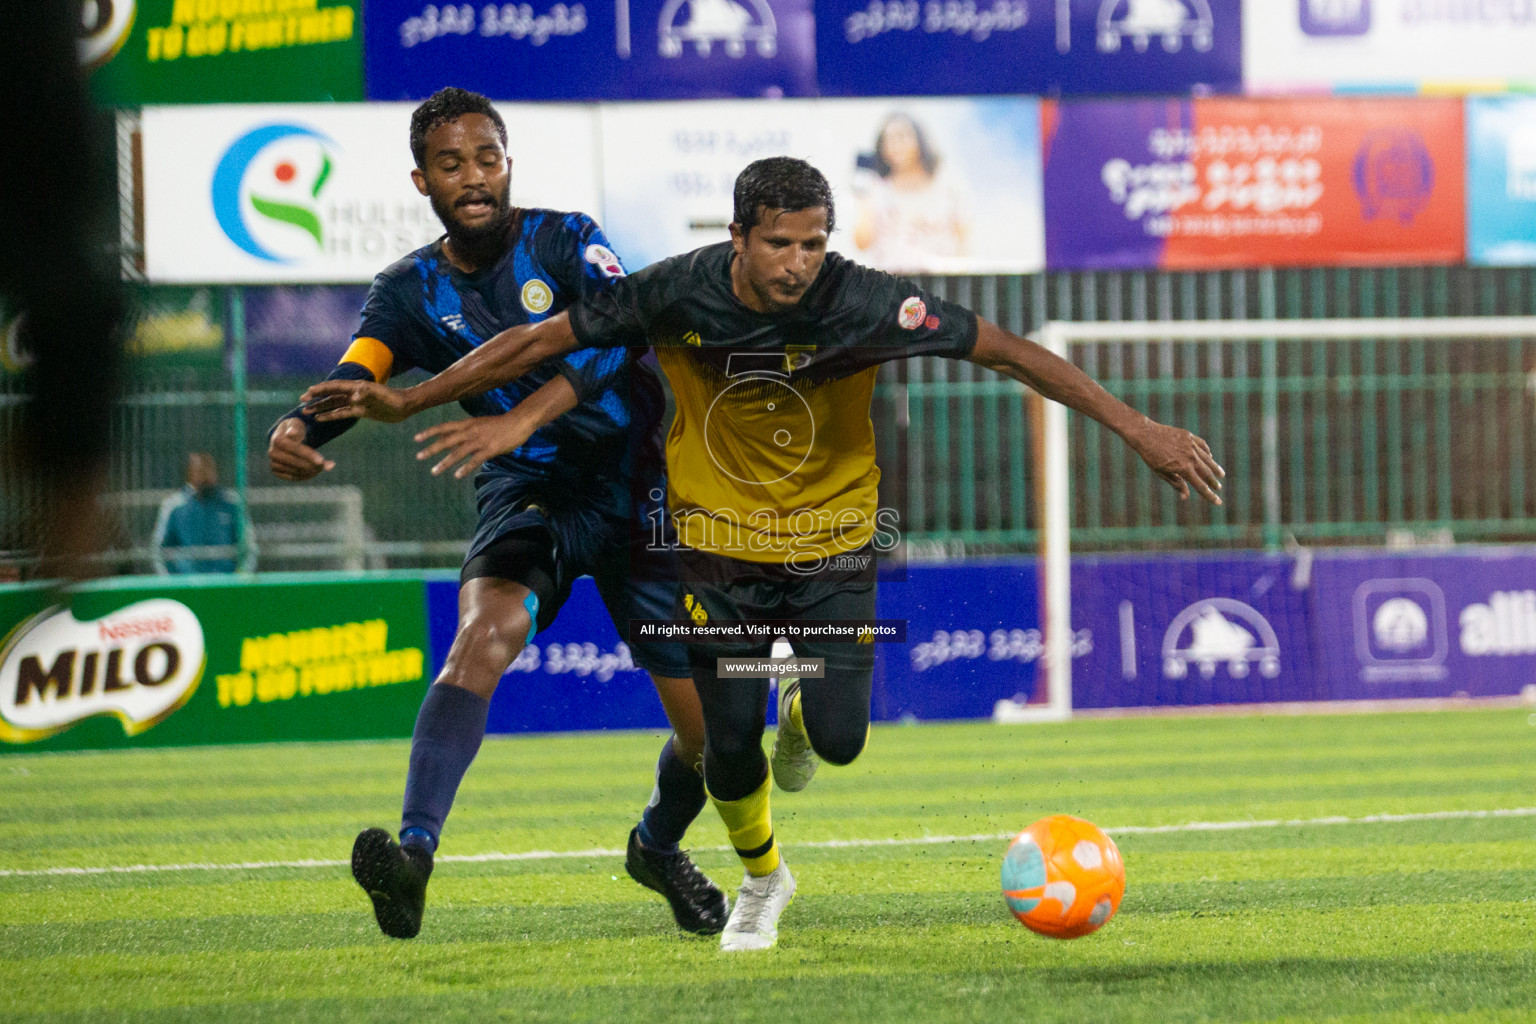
893,318
316,433
621,315
382,321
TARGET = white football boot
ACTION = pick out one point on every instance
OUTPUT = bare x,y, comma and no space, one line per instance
793,761
754,921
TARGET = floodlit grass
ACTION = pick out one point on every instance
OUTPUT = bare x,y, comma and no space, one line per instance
1384,921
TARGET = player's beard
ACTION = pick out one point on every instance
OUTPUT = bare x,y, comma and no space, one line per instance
483,239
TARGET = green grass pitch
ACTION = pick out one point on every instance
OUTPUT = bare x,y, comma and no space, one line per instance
1428,918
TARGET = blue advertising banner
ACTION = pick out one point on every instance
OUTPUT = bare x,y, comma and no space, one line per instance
595,50
1449,624
1233,629
1167,631
973,639
934,47
576,675
968,649
1501,180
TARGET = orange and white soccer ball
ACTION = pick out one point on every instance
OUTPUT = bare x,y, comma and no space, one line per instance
1063,877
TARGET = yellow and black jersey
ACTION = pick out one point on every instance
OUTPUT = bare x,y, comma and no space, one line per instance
772,452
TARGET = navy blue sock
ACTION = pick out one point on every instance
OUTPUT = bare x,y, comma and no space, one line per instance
675,802
449,728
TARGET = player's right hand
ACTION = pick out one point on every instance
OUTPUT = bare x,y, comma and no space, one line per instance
292,459
1183,459
332,400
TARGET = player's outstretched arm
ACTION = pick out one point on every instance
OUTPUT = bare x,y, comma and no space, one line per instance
1179,457
503,358
481,438
290,456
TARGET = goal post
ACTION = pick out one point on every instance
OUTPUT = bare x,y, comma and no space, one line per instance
1068,338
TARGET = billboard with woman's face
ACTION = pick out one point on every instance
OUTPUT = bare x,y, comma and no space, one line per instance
921,185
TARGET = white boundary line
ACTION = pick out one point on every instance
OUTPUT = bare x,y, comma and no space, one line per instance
829,844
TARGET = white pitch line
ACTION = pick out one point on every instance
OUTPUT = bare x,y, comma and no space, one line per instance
827,844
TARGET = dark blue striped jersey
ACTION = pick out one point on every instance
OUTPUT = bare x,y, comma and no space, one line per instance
428,314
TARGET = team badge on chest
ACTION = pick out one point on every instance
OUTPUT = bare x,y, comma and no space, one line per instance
537,298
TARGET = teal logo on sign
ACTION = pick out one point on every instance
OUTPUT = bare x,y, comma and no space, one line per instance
266,191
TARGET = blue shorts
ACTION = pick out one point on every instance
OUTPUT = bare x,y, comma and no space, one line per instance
605,533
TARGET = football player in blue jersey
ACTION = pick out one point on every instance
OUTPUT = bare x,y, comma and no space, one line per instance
573,500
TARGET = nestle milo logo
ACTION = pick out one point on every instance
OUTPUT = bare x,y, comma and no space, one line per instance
139,663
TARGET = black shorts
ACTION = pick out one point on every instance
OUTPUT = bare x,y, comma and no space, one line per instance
734,590
545,538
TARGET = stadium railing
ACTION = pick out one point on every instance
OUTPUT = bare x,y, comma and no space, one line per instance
954,441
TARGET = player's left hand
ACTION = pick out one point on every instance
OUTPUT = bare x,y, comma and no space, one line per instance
356,399
1183,459
473,441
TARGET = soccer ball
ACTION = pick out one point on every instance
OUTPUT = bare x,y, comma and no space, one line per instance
1063,877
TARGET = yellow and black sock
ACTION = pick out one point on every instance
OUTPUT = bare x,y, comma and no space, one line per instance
750,825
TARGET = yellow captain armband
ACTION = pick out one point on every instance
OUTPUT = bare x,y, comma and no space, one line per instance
372,354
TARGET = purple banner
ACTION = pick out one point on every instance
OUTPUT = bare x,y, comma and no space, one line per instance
299,331
969,47
654,50
973,639
1170,631
576,675
1091,222
1441,625
1187,631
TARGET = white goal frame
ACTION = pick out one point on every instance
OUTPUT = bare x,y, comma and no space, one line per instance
1062,337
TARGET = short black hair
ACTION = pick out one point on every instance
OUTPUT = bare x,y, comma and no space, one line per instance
780,183
444,106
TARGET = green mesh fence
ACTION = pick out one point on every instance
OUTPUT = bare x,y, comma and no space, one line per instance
1374,439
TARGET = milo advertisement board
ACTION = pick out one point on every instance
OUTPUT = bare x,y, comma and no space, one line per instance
222,51
210,660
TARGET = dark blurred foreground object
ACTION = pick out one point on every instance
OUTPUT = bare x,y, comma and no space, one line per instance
58,265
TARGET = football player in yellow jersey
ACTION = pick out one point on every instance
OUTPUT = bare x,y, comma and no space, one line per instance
770,343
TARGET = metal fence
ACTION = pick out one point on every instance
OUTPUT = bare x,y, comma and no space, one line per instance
1374,440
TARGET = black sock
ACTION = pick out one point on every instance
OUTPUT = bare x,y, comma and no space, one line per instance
449,728
675,802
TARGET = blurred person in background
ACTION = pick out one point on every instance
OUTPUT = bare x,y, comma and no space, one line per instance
57,266
913,215
203,515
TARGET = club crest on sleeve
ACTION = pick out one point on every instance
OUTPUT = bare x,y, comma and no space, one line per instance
910,316
537,298
602,257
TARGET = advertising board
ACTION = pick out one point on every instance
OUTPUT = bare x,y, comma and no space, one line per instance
1205,183
921,185
266,194
164,662
222,51
974,47
592,49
